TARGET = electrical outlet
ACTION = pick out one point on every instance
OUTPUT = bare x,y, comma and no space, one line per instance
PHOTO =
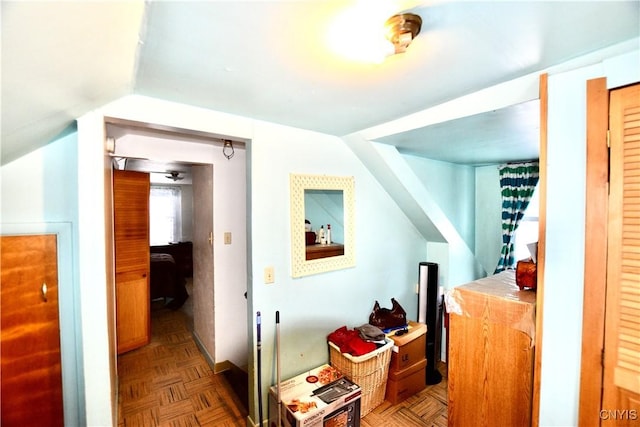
268,275
227,237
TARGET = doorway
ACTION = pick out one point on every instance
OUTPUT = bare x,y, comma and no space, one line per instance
224,287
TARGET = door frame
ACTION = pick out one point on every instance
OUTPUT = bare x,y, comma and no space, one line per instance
543,90
190,136
595,261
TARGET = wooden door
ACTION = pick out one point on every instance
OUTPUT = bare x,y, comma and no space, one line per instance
621,393
31,369
131,235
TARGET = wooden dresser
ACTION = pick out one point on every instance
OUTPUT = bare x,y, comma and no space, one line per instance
324,251
491,353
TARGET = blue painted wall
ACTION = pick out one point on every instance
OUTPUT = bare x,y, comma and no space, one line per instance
39,195
453,187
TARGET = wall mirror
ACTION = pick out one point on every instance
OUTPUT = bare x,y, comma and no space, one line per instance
320,203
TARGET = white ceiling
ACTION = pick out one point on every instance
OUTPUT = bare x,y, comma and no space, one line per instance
497,136
267,60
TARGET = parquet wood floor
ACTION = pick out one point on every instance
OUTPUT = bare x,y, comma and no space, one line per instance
169,383
427,408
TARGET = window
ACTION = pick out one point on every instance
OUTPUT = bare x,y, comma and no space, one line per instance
527,231
165,212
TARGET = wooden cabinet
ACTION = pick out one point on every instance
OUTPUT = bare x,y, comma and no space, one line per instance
30,339
490,366
131,225
324,251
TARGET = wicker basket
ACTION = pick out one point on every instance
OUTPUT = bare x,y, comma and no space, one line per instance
369,371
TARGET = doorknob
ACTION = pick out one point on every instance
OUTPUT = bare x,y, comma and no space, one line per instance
44,292
211,238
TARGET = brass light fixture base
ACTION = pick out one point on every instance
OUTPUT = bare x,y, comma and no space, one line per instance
401,29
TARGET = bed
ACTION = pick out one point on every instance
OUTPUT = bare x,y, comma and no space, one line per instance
182,253
167,281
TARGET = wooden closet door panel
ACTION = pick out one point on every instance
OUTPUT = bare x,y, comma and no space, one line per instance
131,220
621,396
31,370
131,231
131,314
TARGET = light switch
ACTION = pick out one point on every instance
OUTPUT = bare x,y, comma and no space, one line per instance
227,237
268,275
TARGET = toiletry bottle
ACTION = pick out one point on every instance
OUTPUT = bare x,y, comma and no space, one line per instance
321,235
328,234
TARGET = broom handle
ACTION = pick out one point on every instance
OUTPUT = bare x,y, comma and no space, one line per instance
258,322
278,364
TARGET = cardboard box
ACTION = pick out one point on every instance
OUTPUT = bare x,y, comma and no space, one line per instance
407,382
321,397
409,348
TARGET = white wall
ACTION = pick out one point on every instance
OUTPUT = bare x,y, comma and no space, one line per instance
564,258
488,224
96,289
565,228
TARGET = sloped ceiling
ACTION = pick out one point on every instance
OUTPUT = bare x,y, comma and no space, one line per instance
268,60
61,60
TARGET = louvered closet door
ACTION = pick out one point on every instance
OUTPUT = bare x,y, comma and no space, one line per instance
131,224
621,403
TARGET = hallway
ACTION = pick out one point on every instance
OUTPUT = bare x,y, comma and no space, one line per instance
169,382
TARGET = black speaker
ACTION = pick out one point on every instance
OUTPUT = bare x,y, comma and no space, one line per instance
429,313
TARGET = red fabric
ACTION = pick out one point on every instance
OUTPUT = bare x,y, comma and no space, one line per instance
350,342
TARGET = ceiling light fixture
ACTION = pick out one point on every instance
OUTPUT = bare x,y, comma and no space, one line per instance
227,149
175,176
371,31
401,29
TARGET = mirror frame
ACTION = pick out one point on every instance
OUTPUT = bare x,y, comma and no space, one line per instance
300,266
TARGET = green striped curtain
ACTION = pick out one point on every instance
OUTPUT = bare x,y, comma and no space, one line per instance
517,183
